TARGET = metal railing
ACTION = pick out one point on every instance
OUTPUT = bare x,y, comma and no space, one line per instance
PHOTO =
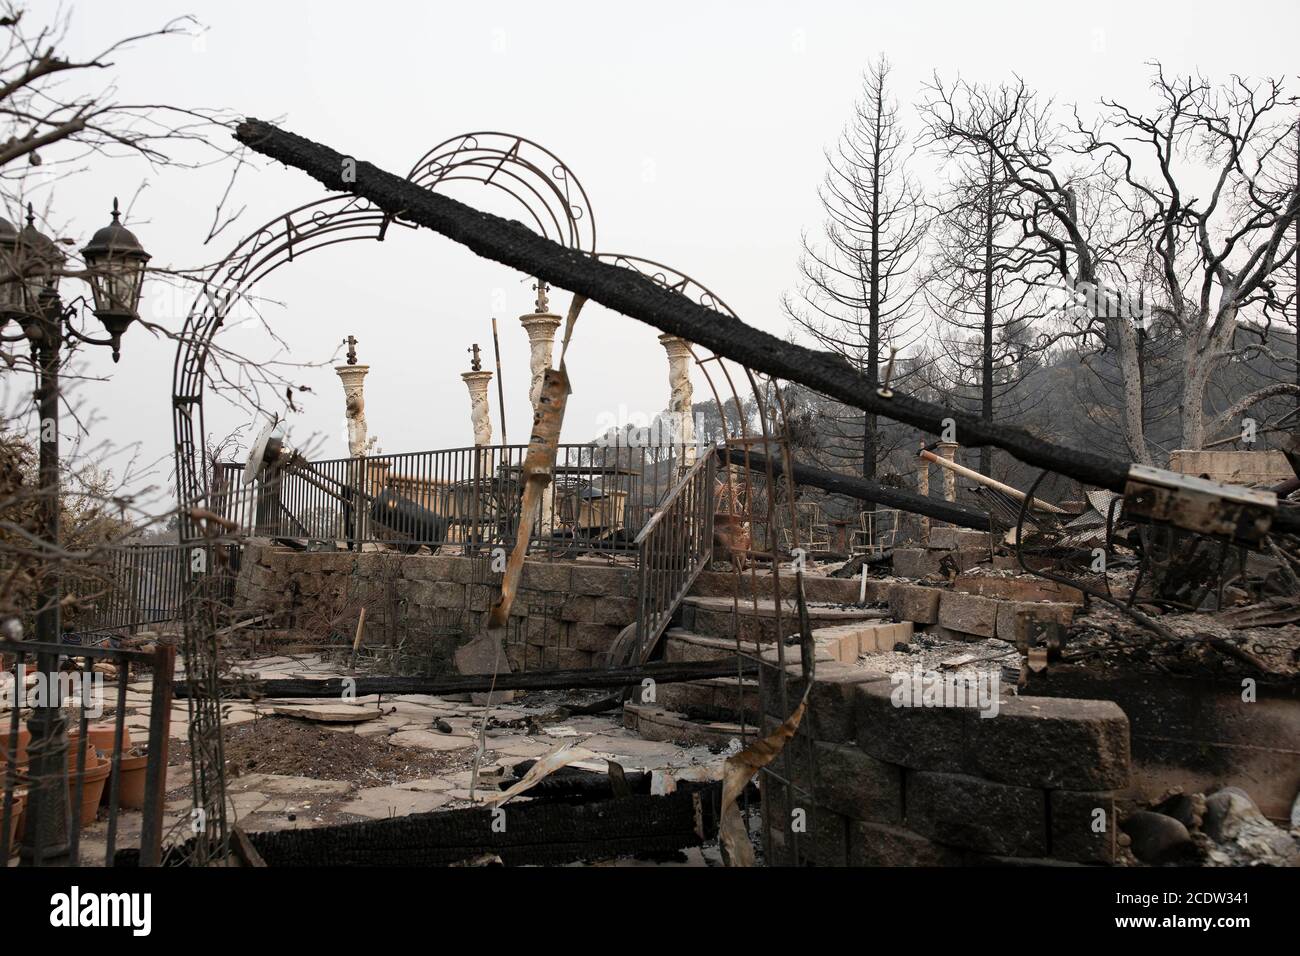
141,585
469,497
137,585
675,545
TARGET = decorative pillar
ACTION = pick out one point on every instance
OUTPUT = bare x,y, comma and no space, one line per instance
540,326
681,395
353,377
480,414
948,450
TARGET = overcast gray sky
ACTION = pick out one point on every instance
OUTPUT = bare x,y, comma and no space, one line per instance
697,130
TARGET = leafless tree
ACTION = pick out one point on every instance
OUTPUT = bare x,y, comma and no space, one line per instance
976,283
1112,204
856,298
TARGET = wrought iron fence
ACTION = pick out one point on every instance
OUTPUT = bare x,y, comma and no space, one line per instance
136,586
469,498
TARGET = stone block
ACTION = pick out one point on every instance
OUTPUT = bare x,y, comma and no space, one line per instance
592,638
416,592
600,581
915,562
577,609
829,842
976,814
479,597
1020,588
968,613
921,738
832,708
1084,825
950,538
914,602
543,576
1054,742
877,844
858,786
1009,612
615,611
459,569
448,594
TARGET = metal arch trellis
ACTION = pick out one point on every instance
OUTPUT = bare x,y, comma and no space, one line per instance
559,208
558,205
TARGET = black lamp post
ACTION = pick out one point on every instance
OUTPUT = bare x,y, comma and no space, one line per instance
29,294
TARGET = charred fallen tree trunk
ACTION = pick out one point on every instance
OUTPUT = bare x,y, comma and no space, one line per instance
661,672
631,293
537,833
861,488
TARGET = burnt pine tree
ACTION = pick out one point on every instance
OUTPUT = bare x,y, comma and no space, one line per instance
855,297
975,285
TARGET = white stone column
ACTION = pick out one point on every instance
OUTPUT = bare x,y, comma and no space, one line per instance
681,394
540,327
480,413
353,378
354,403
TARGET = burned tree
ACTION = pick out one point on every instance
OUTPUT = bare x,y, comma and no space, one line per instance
1128,215
976,284
856,299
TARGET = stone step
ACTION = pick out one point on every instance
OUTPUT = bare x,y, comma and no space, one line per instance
653,722
683,645
712,698
756,621
815,587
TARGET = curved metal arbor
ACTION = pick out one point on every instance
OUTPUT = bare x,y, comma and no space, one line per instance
557,206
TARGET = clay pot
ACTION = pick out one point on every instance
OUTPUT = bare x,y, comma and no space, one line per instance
24,738
130,792
101,736
93,781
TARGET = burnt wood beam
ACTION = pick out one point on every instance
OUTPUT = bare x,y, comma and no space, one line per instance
862,489
629,292
662,672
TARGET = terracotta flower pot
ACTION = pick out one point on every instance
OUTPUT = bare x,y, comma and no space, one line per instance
131,788
24,738
93,781
101,736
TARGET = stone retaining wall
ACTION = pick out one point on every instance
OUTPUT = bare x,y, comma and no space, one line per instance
876,784
564,613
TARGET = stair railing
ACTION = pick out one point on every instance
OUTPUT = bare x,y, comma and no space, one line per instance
675,545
